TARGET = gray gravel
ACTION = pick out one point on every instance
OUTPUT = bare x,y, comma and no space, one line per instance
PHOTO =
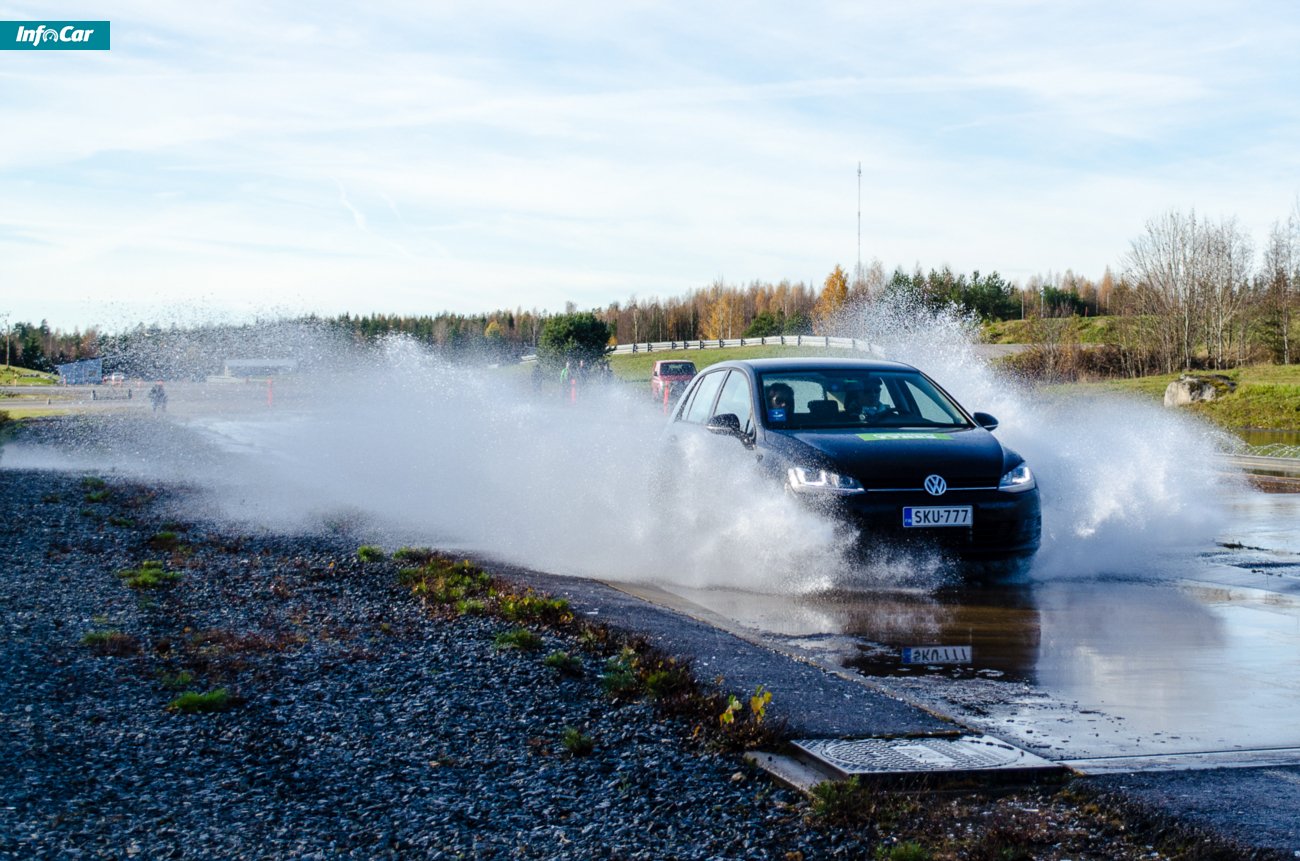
366,728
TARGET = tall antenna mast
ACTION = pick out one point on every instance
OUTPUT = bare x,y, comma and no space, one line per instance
858,272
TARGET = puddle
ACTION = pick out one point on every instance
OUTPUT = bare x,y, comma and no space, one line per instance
1267,521
1202,657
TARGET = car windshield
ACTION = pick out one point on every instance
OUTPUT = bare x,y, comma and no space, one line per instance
856,398
676,369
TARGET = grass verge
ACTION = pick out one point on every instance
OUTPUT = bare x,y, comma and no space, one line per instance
1264,396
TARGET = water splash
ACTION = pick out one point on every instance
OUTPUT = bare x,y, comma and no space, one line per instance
1124,482
399,447
402,448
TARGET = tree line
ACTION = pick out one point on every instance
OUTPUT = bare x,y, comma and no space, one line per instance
1191,293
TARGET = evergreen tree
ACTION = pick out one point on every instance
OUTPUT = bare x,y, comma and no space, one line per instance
574,338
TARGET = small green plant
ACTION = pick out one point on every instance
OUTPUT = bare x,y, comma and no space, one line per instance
177,681
444,582
620,677
576,743
530,607
520,639
728,716
666,681
470,607
193,702
110,642
842,802
908,851
593,638
757,707
98,496
93,482
370,553
164,542
150,575
564,663
124,522
758,703
414,555
51,498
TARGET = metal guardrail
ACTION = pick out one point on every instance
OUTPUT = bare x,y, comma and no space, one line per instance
825,341
1257,463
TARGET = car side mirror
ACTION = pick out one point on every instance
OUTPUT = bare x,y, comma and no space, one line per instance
727,424
985,421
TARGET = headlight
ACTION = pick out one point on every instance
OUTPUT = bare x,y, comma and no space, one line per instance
822,481
1018,479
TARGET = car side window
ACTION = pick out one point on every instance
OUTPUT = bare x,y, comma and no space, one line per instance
736,399
702,401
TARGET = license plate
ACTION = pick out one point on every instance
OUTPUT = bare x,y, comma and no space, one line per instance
936,654
936,515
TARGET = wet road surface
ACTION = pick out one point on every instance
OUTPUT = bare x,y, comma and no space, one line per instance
1196,667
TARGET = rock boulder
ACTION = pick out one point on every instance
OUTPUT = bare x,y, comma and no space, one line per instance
1189,389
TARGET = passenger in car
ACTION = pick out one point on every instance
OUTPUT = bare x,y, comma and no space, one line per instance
780,396
780,402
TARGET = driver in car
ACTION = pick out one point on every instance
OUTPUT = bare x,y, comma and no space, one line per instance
871,407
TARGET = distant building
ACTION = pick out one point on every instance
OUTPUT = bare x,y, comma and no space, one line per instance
84,372
258,367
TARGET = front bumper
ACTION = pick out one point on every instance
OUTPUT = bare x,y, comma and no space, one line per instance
1003,524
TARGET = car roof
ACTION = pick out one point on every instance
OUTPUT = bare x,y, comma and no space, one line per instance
813,363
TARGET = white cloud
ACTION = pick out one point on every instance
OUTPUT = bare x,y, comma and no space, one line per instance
414,158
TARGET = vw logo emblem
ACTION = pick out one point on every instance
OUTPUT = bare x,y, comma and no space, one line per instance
935,485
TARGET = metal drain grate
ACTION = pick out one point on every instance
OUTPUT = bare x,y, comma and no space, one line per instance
878,756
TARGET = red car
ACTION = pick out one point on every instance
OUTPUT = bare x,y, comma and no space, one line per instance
670,374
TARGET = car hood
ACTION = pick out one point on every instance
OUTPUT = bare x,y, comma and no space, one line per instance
902,459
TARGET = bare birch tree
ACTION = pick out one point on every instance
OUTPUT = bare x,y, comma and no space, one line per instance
1160,263
1280,280
1223,266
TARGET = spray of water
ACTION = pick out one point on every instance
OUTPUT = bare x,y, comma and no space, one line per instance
405,449
1124,483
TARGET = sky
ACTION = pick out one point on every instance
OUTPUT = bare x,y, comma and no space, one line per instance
237,160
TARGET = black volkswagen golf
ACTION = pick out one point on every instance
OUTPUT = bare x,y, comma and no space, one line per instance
877,442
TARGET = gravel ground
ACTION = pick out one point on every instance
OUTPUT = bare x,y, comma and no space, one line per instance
363,727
